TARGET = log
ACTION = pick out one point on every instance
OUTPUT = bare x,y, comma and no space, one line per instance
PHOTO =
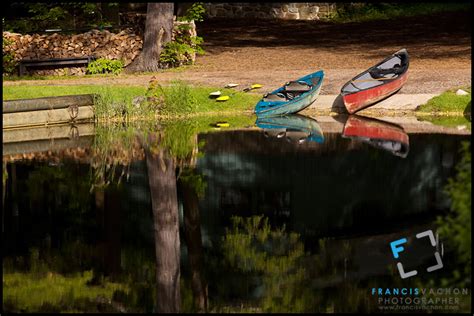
46,117
61,102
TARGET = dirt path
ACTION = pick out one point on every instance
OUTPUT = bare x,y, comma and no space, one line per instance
273,52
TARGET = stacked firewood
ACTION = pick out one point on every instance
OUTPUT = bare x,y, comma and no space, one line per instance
125,46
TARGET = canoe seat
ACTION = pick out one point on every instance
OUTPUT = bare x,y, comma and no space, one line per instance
380,73
297,86
275,97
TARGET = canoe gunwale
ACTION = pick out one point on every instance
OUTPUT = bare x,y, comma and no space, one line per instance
388,80
277,105
358,100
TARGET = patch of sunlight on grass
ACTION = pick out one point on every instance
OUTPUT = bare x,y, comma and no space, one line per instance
30,92
116,100
448,101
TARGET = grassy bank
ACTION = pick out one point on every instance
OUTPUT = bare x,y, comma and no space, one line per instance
361,12
448,109
448,101
141,102
28,91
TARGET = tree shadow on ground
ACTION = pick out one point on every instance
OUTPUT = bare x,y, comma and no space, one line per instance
435,36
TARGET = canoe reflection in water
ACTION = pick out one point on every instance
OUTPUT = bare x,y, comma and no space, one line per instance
377,133
293,127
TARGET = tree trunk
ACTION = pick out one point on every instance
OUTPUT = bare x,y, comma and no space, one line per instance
192,233
164,200
158,31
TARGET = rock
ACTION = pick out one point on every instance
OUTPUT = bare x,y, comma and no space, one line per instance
137,101
293,10
292,16
461,92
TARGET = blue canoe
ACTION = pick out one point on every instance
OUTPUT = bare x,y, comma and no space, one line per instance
292,126
292,97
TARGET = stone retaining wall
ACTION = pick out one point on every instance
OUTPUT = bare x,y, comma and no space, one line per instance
288,11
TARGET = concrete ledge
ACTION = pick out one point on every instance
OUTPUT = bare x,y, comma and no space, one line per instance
402,102
410,124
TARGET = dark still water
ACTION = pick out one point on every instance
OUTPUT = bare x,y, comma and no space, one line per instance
257,220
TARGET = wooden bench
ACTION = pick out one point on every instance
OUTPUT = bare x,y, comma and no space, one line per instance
71,61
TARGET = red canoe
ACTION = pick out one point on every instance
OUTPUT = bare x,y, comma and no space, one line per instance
376,83
380,134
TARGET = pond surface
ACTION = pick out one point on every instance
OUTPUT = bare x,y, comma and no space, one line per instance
280,217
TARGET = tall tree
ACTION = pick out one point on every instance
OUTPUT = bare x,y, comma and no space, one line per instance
158,31
164,200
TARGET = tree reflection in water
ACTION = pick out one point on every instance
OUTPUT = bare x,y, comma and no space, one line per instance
256,266
164,200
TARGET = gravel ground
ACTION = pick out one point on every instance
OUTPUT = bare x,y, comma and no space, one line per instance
272,53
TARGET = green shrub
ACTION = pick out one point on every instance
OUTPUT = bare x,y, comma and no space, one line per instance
105,66
9,63
194,13
175,54
180,51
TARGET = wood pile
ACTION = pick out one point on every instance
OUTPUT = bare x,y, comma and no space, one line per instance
125,46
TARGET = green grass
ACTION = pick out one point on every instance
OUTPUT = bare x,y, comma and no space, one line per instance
448,102
116,101
30,292
387,11
183,99
448,109
39,91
